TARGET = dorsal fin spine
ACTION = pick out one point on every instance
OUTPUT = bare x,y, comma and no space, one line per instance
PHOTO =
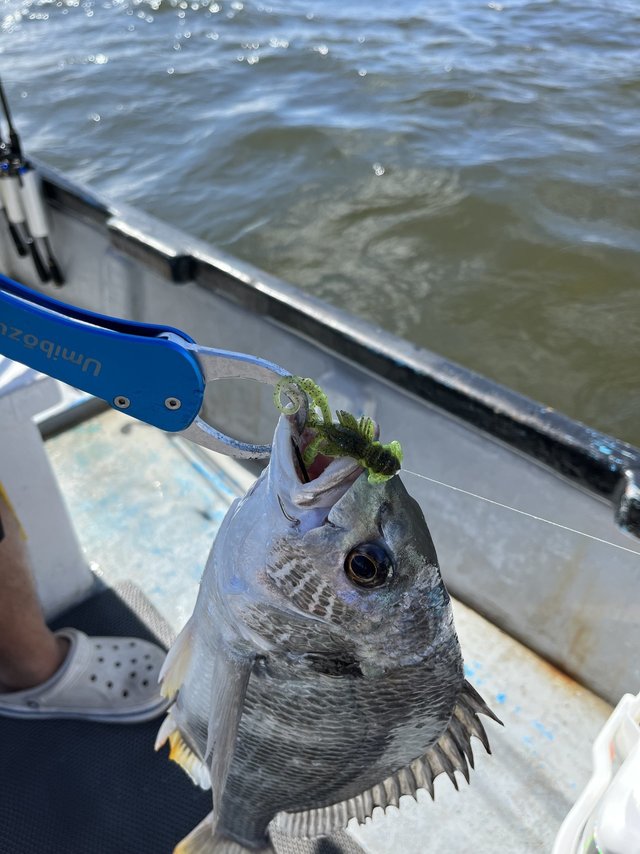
452,752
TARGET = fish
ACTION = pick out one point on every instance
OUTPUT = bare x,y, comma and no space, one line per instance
320,674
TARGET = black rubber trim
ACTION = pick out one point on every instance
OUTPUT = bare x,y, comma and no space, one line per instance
177,267
80,787
166,260
64,196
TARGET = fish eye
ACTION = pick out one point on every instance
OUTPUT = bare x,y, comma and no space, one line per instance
368,565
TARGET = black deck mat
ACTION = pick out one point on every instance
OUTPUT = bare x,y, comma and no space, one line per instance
73,787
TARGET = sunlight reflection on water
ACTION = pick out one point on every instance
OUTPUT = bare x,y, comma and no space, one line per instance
465,176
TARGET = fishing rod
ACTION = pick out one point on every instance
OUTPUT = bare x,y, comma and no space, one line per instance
10,207
12,179
23,202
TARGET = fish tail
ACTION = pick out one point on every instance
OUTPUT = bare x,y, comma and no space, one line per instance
203,840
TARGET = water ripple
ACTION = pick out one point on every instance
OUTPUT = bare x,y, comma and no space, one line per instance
464,174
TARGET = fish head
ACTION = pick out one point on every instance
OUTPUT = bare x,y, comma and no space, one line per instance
351,563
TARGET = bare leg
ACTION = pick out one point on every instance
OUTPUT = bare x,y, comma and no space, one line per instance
29,653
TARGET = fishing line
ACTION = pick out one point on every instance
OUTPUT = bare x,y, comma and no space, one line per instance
521,512
303,468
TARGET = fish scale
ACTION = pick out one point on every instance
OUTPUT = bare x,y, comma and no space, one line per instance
307,695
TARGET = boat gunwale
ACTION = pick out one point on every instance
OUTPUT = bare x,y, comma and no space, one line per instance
600,463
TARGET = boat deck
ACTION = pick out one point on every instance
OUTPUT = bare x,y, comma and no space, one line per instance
146,507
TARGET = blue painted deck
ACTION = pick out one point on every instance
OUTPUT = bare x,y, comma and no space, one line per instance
147,506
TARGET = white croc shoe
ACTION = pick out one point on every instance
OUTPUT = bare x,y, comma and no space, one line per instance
114,680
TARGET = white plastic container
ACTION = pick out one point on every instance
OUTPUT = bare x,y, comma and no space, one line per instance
59,567
606,817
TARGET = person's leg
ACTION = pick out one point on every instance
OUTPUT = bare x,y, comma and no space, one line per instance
29,653
66,674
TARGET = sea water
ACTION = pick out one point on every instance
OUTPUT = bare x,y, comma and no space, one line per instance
464,174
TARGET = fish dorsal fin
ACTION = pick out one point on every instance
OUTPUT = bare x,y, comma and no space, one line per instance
452,752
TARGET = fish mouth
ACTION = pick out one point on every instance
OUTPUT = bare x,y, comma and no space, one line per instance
325,474
319,484
321,462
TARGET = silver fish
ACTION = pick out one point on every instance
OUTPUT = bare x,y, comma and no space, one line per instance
320,674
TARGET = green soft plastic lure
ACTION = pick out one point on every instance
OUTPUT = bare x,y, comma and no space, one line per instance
350,437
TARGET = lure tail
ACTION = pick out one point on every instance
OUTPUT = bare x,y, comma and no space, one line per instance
202,840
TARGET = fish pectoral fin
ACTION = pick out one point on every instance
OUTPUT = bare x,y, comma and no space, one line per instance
232,671
204,840
176,664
